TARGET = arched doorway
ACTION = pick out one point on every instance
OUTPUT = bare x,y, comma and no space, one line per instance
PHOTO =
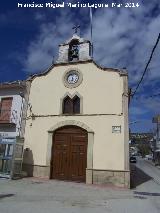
69,154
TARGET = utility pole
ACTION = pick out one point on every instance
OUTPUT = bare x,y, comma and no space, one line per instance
156,120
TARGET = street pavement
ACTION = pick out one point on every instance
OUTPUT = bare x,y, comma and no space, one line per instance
148,167
42,196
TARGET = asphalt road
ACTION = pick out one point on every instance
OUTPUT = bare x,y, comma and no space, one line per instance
149,169
40,196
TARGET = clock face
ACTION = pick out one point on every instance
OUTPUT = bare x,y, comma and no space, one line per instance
72,78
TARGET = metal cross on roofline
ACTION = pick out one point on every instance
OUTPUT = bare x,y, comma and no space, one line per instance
76,27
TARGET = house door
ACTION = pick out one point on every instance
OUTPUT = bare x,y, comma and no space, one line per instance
69,154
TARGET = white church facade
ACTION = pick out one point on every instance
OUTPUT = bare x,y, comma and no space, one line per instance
77,121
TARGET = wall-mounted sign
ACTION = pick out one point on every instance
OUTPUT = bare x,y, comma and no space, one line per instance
4,135
116,129
7,140
8,134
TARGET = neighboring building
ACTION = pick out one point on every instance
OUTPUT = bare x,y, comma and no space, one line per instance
11,124
77,123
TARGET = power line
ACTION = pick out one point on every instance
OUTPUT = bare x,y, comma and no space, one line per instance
150,58
139,121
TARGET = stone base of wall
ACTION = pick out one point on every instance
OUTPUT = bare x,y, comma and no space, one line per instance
36,170
116,178
103,177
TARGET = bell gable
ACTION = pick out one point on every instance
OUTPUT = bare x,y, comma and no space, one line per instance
74,50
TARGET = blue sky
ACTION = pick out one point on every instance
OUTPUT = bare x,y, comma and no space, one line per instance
122,37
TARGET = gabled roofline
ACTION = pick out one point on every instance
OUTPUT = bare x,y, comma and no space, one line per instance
76,37
121,72
80,42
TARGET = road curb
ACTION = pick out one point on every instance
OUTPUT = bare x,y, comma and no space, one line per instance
152,163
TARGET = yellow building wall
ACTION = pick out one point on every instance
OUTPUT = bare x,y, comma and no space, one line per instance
102,93
101,90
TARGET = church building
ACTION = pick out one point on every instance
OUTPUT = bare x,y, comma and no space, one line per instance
77,120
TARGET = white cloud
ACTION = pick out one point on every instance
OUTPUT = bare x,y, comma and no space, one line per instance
126,40
41,51
121,38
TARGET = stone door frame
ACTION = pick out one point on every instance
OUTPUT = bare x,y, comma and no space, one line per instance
51,132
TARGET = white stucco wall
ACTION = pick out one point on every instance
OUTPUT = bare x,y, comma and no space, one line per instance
108,151
102,90
102,93
15,112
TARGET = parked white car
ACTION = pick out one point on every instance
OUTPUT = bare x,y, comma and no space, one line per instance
149,157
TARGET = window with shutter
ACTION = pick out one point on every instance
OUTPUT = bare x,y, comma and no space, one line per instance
67,105
5,109
76,105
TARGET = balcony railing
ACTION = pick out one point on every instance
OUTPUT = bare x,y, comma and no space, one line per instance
6,116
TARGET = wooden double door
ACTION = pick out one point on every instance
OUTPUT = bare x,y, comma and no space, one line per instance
69,154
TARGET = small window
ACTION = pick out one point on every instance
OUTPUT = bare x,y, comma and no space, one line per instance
67,105
76,104
71,106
